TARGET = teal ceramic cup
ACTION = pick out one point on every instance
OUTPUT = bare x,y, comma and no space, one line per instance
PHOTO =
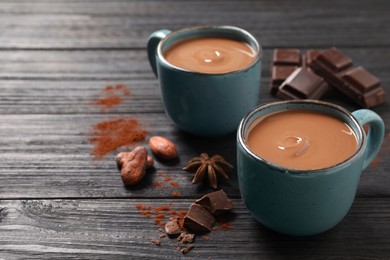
201,103
305,202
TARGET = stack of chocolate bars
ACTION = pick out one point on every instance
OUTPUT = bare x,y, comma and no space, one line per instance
311,75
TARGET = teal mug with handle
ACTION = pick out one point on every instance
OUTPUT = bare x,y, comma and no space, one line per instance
305,202
202,103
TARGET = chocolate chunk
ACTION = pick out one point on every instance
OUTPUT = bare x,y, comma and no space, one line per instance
198,219
172,227
302,84
216,202
287,57
357,83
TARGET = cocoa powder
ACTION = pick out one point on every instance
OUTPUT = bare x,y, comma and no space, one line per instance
112,134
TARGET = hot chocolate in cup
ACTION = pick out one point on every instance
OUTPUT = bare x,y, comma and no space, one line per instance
209,76
302,180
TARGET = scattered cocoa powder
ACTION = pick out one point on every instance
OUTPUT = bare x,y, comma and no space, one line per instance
158,184
175,184
175,193
156,242
164,180
112,134
225,226
112,96
161,213
206,238
167,179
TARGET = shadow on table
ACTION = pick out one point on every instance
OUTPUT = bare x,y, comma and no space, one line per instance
352,238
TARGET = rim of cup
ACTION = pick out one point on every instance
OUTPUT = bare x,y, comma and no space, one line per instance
258,48
246,122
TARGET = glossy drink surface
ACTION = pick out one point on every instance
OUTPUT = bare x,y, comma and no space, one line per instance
301,140
211,55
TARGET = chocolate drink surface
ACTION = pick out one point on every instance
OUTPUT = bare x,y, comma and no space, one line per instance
211,55
301,140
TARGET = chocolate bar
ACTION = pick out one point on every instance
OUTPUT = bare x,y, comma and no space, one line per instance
284,62
306,86
302,84
356,82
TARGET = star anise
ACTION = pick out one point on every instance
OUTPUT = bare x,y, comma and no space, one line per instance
210,165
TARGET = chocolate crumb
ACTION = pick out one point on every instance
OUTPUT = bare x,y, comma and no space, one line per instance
172,227
205,238
185,238
156,242
187,249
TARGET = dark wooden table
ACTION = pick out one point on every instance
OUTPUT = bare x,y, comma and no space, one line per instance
56,57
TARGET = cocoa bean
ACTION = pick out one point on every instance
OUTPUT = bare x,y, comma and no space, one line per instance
163,148
132,165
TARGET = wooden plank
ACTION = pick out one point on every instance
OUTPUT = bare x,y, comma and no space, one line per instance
127,24
102,229
117,65
48,156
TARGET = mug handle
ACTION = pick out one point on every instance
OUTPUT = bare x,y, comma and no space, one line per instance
153,41
375,133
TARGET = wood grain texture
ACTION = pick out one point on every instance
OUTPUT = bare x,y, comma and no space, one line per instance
117,65
127,24
56,57
103,229
53,152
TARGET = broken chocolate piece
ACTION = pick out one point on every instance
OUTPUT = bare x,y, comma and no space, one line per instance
186,238
172,228
357,83
216,202
187,249
302,84
198,219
